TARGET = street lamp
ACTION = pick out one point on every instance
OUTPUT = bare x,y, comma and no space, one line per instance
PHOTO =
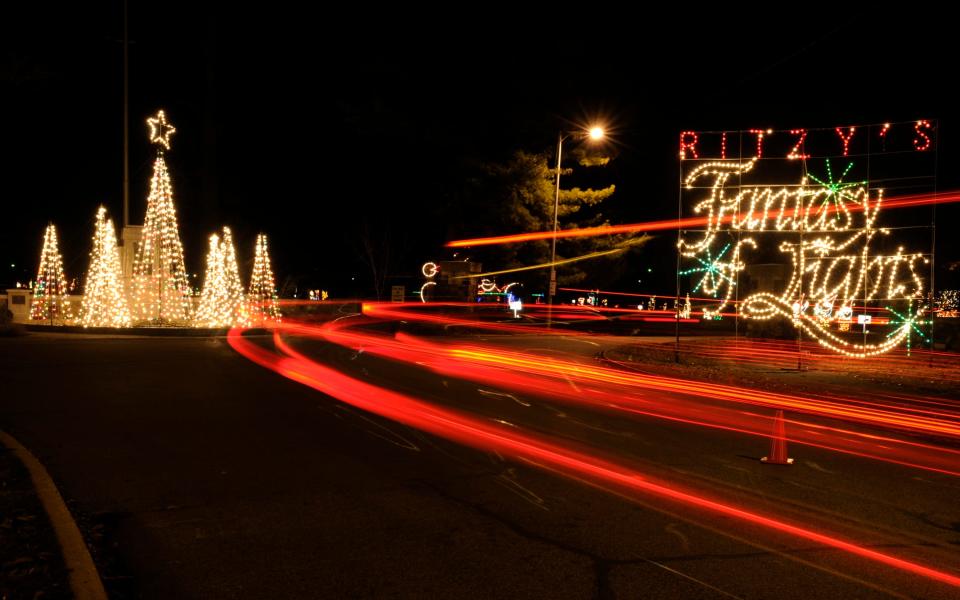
594,133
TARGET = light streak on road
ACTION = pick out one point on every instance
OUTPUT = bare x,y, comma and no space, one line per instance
681,402
539,450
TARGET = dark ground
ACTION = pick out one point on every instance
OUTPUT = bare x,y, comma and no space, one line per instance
31,567
196,474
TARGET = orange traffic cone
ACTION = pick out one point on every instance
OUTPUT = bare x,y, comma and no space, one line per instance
778,443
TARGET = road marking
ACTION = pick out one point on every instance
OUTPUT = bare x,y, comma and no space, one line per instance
84,579
693,579
817,467
503,395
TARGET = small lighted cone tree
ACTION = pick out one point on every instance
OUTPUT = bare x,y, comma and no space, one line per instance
50,301
222,296
233,305
213,294
261,306
104,303
160,291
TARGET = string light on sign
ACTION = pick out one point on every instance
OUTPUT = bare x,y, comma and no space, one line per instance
846,138
688,142
833,265
835,192
797,151
760,133
910,321
714,272
922,141
804,143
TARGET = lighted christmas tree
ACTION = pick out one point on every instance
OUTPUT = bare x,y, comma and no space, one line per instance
50,301
213,294
104,303
222,295
232,307
160,291
261,305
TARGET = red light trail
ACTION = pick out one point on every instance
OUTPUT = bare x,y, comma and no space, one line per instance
483,434
688,222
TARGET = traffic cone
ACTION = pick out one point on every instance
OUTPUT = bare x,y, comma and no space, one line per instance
778,443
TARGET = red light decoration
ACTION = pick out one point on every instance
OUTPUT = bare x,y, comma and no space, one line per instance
922,145
760,133
688,141
922,140
846,139
797,150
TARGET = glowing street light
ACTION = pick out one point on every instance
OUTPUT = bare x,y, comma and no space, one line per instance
594,133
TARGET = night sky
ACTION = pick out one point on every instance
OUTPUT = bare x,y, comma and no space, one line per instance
305,125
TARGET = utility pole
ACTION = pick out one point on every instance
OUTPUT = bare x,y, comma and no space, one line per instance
126,118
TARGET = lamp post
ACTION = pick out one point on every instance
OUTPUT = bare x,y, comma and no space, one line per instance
594,133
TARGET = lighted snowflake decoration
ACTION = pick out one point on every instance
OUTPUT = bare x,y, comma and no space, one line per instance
714,272
909,321
837,191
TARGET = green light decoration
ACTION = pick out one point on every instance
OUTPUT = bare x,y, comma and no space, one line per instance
837,190
909,321
713,272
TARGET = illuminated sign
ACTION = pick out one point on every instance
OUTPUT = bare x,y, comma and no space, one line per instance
827,225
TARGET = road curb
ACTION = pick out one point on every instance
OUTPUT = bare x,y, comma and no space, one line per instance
84,578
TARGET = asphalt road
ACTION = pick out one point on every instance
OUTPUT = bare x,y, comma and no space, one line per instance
201,475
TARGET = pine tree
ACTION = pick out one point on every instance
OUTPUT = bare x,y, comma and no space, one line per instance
160,291
104,303
261,305
50,294
519,195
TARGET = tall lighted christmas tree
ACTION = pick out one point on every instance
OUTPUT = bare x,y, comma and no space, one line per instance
231,272
213,295
261,305
160,291
50,294
104,303
222,295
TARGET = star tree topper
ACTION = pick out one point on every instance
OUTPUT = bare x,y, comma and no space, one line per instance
160,130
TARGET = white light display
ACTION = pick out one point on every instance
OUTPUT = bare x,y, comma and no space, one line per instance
261,307
832,262
104,302
50,291
160,291
221,301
